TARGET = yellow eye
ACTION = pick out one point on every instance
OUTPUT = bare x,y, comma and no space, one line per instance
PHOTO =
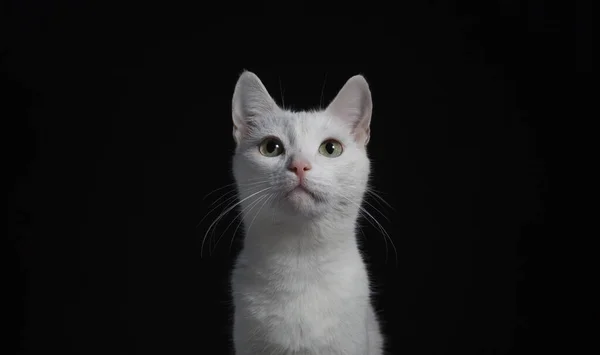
270,147
331,148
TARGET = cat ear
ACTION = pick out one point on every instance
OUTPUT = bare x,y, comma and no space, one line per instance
251,100
353,104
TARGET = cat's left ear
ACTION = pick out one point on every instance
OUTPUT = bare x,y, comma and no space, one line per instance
353,104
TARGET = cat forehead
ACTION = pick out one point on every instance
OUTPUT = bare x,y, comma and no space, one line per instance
295,125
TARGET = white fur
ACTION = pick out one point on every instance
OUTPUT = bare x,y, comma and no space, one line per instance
300,285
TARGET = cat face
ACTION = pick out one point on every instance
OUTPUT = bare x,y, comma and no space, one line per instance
300,164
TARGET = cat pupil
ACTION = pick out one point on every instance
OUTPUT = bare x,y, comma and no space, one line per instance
271,146
330,147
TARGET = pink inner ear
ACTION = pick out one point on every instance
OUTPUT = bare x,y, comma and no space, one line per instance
365,135
362,135
353,105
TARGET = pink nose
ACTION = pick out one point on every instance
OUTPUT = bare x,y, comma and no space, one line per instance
300,167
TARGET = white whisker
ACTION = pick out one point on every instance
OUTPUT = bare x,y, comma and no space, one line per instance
371,219
378,197
376,209
249,207
248,182
235,190
224,213
229,199
250,225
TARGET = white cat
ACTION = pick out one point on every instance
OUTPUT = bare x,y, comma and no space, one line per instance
300,285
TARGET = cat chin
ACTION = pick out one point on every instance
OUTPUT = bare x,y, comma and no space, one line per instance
301,203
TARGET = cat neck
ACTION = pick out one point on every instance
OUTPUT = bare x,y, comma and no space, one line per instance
300,237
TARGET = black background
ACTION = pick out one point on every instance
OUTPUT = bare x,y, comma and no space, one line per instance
120,125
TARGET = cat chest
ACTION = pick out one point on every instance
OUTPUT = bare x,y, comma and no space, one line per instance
306,305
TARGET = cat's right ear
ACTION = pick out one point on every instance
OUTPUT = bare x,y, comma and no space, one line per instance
251,100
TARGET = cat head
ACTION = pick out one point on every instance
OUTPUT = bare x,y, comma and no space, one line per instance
300,164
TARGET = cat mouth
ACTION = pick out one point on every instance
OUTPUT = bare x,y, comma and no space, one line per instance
300,189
